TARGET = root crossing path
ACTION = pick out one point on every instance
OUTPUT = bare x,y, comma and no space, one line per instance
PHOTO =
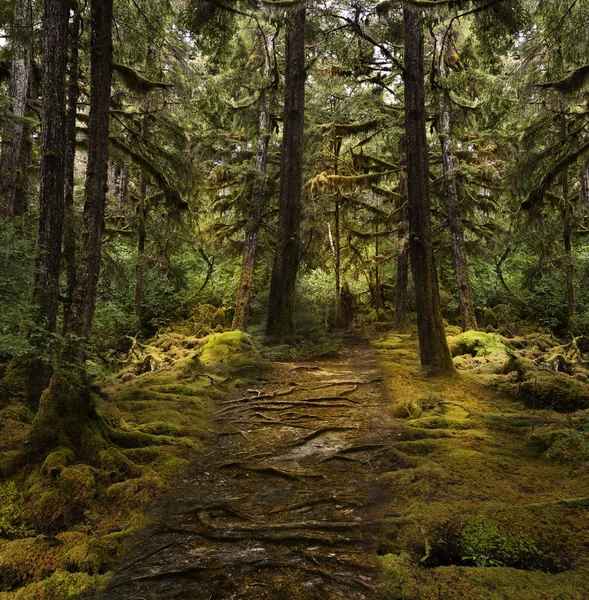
286,500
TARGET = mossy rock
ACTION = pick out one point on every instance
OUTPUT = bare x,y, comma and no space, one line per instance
476,343
231,353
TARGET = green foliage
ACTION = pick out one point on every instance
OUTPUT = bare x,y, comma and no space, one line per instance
483,544
11,515
16,253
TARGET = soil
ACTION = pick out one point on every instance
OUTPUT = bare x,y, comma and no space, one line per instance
286,500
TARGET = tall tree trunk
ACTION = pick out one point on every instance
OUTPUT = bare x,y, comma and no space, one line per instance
400,317
141,235
585,188
568,255
337,251
51,196
567,225
435,355
467,317
250,248
13,131
84,298
280,322
69,234
124,188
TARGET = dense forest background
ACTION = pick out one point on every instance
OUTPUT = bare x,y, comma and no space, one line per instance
196,88
288,169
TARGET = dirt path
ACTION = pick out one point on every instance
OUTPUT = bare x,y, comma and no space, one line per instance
285,502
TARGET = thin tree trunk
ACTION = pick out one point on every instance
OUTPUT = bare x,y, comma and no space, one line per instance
585,188
280,322
51,196
13,132
467,317
141,235
400,317
124,188
567,230
435,355
567,225
22,187
84,299
250,248
337,242
69,234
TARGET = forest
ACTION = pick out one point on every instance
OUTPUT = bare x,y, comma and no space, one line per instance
294,299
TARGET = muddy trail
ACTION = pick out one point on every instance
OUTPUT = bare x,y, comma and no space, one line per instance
285,502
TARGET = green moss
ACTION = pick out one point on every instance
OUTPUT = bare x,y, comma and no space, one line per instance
11,516
57,460
437,422
230,353
61,585
476,343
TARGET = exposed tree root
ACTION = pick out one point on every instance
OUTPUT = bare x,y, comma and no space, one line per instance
268,470
319,432
345,382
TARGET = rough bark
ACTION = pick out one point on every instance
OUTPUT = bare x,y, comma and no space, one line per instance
337,242
400,317
69,234
84,298
585,188
250,248
435,355
13,132
51,196
459,259
280,322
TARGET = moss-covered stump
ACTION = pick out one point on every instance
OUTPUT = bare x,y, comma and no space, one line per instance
492,508
476,343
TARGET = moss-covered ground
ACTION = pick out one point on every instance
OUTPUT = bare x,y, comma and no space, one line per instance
479,478
63,521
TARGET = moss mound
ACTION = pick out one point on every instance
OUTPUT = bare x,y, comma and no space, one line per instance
230,353
476,343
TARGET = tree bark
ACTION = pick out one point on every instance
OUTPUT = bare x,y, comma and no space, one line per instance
435,355
51,196
400,317
250,248
69,234
568,254
280,322
337,251
84,298
13,133
467,317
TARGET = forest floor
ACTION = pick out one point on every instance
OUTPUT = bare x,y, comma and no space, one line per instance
287,501
347,477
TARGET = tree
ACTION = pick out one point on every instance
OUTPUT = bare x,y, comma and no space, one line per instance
435,355
280,323
459,258
13,156
250,248
51,195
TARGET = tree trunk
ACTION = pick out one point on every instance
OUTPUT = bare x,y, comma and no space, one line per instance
51,196
69,234
13,131
280,322
337,251
400,318
124,188
568,255
585,188
467,317
250,248
141,218
84,298
435,355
